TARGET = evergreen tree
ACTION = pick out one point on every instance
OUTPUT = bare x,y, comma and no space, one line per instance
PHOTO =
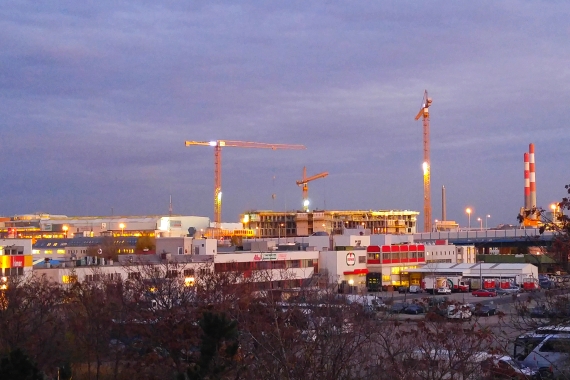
17,366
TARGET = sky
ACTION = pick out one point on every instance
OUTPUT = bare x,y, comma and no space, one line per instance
98,97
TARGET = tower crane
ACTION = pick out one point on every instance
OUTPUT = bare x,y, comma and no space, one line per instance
424,112
304,182
217,145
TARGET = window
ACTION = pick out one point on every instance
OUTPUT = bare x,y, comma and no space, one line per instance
361,259
189,272
134,276
295,263
48,252
556,344
309,263
180,251
172,273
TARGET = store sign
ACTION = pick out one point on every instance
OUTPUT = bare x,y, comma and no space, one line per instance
175,224
350,259
269,256
17,261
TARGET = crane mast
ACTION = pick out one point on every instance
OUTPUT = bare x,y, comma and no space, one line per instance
304,183
217,145
424,113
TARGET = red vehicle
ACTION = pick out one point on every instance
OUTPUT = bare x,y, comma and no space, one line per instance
483,293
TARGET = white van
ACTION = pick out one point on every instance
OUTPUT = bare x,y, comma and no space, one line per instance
539,350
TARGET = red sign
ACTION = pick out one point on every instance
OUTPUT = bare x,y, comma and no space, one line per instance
257,258
17,261
350,259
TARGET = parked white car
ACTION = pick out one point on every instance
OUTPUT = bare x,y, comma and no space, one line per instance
443,291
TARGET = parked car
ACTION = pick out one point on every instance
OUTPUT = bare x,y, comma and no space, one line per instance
485,310
398,308
483,293
403,289
511,290
414,309
459,311
505,367
415,289
539,311
443,291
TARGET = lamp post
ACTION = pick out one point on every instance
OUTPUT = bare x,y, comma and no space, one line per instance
481,275
486,217
435,225
468,211
122,227
480,224
65,228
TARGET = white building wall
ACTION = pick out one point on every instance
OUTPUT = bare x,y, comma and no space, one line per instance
441,254
174,245
204,246
352,240
336,263
26,244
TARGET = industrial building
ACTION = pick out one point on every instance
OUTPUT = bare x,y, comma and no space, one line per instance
275,224
46,226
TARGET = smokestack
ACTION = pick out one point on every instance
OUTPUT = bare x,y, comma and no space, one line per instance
532,175
443,213
526,183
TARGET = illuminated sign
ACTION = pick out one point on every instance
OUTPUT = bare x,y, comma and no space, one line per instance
269,256
350,259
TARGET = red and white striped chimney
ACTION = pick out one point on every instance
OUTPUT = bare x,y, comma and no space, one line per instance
532,174
526,183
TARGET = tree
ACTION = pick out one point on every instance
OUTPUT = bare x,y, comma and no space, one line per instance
17,366
218,348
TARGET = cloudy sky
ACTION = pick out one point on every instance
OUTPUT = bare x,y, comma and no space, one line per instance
98,97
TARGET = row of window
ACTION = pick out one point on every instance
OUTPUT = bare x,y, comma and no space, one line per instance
103,276
262,265
395,255
12,271
448,261
13,251
173,273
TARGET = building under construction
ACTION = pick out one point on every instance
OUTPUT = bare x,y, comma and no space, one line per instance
297,223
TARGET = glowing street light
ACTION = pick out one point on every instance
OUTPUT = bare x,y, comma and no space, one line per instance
122,227
480,224
487,217
468,211
65,228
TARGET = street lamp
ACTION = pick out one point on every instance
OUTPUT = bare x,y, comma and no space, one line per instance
480,224
468,211
65,228
435,225
122,227
480,275
487,217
